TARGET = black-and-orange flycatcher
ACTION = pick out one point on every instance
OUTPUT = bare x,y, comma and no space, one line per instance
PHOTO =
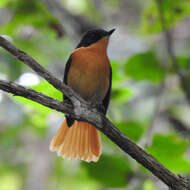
88,72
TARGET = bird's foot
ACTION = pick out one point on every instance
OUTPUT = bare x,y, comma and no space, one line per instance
67,101
98,106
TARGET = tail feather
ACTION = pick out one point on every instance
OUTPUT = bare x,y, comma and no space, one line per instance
74,145
59,138
95,146
86,145
89,157
80,141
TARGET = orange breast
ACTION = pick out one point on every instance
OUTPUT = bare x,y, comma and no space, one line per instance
89,73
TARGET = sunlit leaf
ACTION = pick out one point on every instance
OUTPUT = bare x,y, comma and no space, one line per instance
169,150
10,182
3,2
121,94
144,66
148,185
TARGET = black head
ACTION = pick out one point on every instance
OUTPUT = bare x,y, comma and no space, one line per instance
92,36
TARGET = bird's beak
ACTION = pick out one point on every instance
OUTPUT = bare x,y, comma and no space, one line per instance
110,32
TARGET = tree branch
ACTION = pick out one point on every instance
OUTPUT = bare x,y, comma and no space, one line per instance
31,94
83,111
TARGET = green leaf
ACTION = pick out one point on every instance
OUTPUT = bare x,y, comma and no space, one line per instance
118,73
148,185
4,2
144,66
110,170
48,89
132,129
11,181
184,63
121,94
119,91
169,150
27,13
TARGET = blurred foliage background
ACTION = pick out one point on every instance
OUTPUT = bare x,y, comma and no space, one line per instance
150,100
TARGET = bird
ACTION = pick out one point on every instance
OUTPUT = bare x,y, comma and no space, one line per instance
88,72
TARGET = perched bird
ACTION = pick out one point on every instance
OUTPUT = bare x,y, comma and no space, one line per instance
88,72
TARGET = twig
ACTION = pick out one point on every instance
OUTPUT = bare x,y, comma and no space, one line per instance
146,139
85,113
169,46
135,180
155,114
179,126
72,24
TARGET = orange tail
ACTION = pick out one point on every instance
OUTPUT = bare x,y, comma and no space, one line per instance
80,141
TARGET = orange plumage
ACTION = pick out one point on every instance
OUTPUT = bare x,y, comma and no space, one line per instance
81,141
89,75
90,71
